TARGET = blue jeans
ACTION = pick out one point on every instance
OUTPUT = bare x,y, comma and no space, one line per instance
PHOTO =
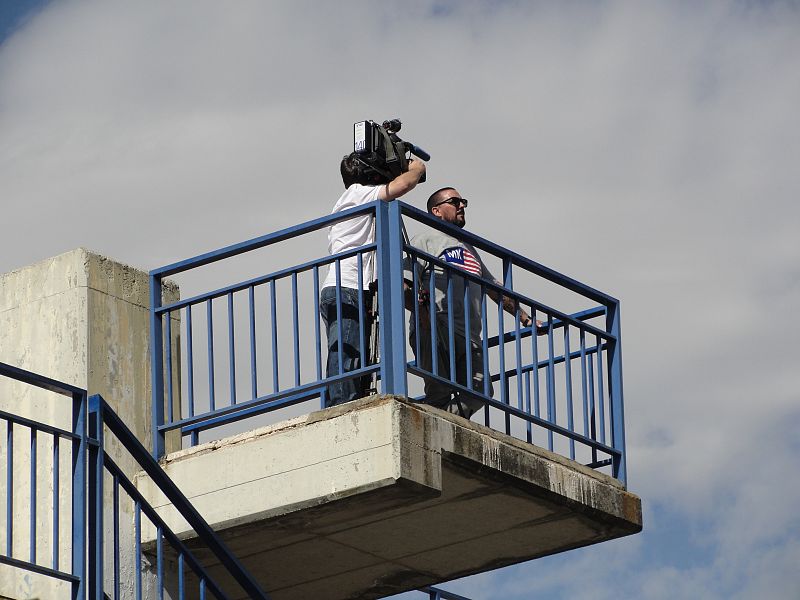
356,387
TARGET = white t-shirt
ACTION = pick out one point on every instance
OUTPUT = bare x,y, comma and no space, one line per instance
353,233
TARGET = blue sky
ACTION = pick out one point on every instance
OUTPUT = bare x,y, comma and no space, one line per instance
649,149
14,13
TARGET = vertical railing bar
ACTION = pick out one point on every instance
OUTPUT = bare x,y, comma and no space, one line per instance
616,404
117,541
584,390
156,366
194,438
317,331
190,359
362,344
274,322
451,337
487,379
202,588
518,350
528,426
181,585
33,459
79,481
433,324
568,383
502,358
160,562
10,488
600,390
210,325
339,319
251,297
535,369
231,350
296,330
96,470
508,283
417,306
551,391
389,225
168,358
592,412
137,566
468,333
56,497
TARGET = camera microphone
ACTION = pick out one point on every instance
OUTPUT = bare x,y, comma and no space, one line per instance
418,152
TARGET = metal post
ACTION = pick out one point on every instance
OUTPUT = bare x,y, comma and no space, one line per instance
390,296
615,391
156,366
95,528
79,495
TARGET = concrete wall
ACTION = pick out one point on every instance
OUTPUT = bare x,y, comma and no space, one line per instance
83,319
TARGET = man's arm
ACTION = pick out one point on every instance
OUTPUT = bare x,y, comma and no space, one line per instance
403,183
510,306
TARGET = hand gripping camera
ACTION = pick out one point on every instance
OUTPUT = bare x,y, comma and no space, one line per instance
381,150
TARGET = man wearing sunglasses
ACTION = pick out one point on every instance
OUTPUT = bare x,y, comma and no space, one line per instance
449,205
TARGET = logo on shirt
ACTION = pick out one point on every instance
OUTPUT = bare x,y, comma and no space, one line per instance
462,258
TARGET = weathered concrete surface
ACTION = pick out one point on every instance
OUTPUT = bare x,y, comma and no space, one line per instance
83,319
380,496
80,318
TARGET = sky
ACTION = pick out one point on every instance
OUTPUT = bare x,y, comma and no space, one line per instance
647,148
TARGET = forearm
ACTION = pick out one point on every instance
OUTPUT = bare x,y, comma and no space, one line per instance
511,306
405,182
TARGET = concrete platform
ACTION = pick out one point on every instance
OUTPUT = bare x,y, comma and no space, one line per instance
381,495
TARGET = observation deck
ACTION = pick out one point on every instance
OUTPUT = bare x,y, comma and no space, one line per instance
386,494
264,493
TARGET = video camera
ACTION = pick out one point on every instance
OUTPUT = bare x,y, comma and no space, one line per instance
379,148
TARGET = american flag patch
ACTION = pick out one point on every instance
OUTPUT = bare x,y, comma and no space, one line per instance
462,258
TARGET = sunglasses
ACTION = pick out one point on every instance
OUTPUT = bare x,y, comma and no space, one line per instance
454,202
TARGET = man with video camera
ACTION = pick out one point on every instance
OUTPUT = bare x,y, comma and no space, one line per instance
363,184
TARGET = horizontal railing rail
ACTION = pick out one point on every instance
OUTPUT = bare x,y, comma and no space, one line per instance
261,241
513,257
561,319
264,333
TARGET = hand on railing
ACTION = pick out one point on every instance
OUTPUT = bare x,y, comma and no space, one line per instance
527,321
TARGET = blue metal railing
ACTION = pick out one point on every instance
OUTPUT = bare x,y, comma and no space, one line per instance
435,593
24,458
97,550
559,386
